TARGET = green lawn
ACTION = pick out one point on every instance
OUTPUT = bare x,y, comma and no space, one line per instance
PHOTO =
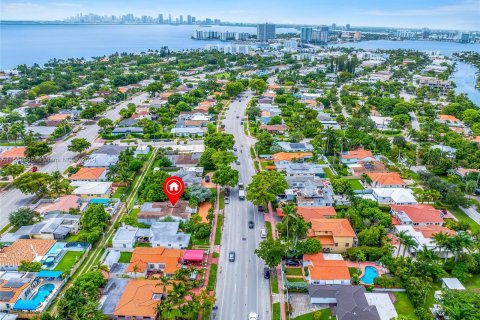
461,216
265,164
212,279
403,305
69,260
118,193
125,257
276,311
221,204
473,282
293,271
268,226
325,315
328,173
355,184
430,300
354,271
274,284
218,231
289,279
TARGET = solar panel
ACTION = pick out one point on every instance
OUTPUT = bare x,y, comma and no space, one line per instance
6,295
13,284
297,145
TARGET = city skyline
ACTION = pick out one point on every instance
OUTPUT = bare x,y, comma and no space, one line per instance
443,14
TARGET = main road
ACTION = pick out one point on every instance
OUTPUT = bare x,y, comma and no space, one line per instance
59,160
241,288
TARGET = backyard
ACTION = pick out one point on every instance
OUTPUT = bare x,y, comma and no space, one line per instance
125,257
69,260
325,314
403,306
355,184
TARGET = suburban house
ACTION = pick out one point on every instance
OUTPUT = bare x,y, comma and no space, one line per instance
127,130
417,215
394,196
464,173
335,235
13,287
9,155
53,226
42,131
189,175
100,160
424,237
355,156
151,212
326,269
449,120
185,159
296,147
361,167
160,234
274,129
309,213
159,259
446,151
110,149
312,194
188,132
386,180
139,299
298,169
23,250
59,205
87,189
351,302
284,157
89,174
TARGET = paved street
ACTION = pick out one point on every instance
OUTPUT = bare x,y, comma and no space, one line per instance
241,288
60,159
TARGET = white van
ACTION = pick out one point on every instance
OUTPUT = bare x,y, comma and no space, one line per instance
263,233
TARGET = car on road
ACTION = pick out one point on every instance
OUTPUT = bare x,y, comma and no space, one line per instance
263,233
231,256
252,316
238,117
227,200
241,122
227,191
251,224
292,263
234,148
238,161
266,273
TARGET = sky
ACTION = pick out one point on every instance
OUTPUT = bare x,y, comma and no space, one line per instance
435,14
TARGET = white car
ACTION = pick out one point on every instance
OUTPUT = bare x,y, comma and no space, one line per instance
252,316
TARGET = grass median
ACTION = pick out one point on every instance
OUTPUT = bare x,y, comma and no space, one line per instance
218,231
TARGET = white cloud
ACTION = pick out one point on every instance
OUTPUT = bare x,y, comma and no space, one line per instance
466,7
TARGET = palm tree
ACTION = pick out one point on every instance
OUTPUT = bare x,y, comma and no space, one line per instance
408,243
459,243
136,268
441,239
401,237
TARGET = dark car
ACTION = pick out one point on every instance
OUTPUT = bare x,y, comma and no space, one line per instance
234,148
207,178
227,191
238,117
231,256
266,273
292,263
250,224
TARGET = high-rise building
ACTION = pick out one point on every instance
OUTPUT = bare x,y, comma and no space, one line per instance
347,27
320,35
160,18
306,34
189,19
194,20
334,26
265,32
181,19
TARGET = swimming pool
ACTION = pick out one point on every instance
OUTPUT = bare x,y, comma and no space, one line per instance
56,249
33,304
103,201
370,274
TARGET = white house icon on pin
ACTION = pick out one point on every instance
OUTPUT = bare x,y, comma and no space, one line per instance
173,186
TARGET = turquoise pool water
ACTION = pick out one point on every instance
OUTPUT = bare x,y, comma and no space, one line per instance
370,274
32,304
103,201
56,249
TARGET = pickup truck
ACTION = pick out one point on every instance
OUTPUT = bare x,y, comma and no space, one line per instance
241,191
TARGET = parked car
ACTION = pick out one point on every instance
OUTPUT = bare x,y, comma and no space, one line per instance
234,148
238,161
252,316
227,199
231,256
250,224
227,191
263,233
266,273
207,178
34,169
237,117
260,209
292,263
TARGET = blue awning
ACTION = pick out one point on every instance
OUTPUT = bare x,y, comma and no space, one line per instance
49,274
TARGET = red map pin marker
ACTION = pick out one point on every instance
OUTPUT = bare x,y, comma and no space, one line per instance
173,188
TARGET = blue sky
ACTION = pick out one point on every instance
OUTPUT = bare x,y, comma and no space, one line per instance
443,14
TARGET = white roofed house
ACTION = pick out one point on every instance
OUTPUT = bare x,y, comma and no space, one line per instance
188,132
394,196
87,189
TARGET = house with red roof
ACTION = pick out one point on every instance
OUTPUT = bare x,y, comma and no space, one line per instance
326,269
386,180
417,215
357,155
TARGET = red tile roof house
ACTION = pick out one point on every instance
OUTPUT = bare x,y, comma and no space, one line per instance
357,155
417,215
90,174
154,260
23,250
326,269
279,128
12,154
386,180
